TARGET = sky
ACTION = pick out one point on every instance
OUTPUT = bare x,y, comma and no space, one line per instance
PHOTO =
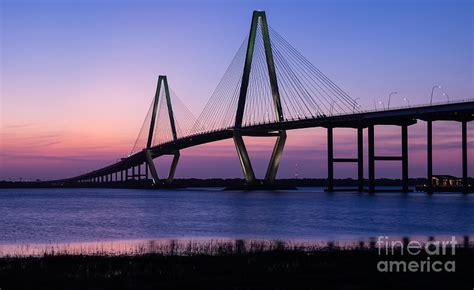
77,78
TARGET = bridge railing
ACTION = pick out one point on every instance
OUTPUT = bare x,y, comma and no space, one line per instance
333,115
458,101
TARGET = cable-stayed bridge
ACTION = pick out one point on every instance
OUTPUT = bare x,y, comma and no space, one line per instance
269,88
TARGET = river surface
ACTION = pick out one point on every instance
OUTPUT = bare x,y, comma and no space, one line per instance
93,215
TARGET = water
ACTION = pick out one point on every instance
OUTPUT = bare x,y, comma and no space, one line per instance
93,215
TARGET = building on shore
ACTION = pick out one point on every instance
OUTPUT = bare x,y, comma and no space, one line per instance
446,181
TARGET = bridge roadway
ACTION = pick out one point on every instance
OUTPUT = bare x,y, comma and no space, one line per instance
461,111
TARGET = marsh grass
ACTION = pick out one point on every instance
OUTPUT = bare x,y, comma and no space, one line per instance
171,247
189,247
220,264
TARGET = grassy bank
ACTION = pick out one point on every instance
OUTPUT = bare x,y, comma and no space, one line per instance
233,267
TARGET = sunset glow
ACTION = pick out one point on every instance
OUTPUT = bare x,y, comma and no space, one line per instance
77,80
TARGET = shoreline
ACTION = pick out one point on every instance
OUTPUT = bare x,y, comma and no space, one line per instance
210,182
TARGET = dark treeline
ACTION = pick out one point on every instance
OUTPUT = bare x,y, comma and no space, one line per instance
211,182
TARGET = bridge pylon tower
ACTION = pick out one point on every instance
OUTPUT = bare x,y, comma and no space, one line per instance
162,85
259,17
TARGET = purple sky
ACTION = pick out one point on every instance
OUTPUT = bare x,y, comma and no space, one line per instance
77,77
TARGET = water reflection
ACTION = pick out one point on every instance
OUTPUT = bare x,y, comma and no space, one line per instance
61,216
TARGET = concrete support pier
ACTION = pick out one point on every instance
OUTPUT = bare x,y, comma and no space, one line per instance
404,158
429,151
371,144
330,160
359,160
360,157
464,157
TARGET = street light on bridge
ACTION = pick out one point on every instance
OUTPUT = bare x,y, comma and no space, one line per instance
389,98
447,96
407,100
432,91
332,107
355,105
383,105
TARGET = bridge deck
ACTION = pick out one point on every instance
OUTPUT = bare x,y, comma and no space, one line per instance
454,111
